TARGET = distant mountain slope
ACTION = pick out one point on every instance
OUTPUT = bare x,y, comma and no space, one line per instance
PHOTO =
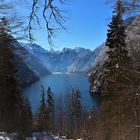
133,40
66,60
33,62
29,67
26,75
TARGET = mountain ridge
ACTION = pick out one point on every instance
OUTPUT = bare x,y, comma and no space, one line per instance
76,59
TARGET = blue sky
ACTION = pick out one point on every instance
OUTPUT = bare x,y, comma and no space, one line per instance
86,23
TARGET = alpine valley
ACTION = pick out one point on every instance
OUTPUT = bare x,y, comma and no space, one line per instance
34,61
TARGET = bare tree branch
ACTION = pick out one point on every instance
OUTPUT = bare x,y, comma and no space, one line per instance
130,6
52,16
15,26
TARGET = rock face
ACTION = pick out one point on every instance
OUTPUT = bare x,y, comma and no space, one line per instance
29,67
133,44
66,60
26,75
133,41
33,62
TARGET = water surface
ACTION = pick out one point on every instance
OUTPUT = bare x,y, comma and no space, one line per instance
60,85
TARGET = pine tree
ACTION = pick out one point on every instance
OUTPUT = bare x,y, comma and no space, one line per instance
75,109
42,116
115,78
118,57
50,108
118,53
77,105
10,97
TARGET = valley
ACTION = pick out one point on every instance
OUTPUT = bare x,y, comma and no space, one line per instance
83,84
35,62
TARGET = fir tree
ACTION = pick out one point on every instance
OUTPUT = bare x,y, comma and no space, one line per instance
118,57
118,54
75,108
42,116
77,104
115,76
50,107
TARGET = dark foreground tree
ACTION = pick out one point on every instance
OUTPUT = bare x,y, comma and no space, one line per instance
41,120
10,93
50,108
13,106
115,81
26,118
75,111
120,79
117,50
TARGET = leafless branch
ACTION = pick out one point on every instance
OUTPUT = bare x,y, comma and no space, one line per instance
130,6
52,15
4,6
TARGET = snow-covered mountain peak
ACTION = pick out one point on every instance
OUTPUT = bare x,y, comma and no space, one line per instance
66,50
80,49
67,60
52,50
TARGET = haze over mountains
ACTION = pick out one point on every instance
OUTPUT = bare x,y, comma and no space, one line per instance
66,60
34,61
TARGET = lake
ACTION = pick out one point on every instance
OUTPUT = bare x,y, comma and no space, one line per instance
60,85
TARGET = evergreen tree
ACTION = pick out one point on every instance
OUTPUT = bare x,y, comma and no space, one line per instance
42,116
115,75
50,108
77,104
75,109
10,98
118,57
117,54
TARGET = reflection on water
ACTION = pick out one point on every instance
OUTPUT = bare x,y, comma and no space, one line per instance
60,85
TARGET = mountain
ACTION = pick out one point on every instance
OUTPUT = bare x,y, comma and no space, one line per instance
67,60
26,75
133,41
29,68
132,25
33,62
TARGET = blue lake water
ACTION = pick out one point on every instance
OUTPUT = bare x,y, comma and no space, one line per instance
61,85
